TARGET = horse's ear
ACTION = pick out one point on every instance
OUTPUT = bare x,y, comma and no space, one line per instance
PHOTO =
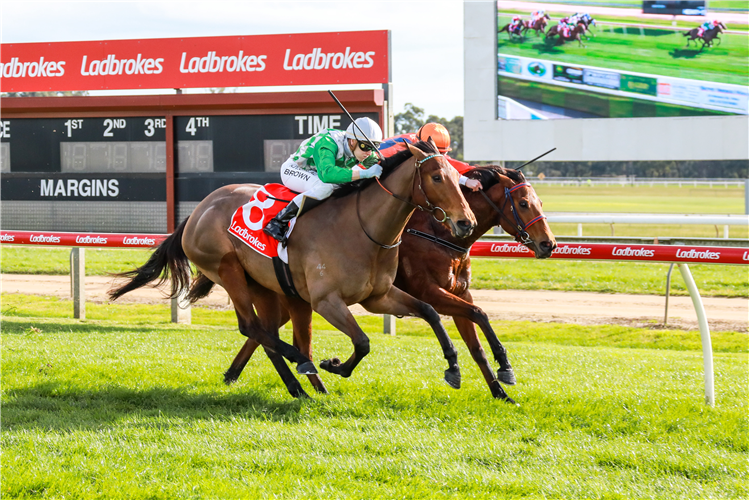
431,141
418,154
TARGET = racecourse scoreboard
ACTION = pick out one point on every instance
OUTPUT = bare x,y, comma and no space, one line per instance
142,164
675,7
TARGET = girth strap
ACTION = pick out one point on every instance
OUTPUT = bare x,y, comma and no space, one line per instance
283,275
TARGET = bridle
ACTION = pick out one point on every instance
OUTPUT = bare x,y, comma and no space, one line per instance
522,235
430,207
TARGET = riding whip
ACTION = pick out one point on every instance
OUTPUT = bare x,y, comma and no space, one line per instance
534,159
356,125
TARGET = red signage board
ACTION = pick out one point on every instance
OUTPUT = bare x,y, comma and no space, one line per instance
227,61
616,251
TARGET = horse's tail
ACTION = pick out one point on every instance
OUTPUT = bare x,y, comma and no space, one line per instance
505,28
687,33
168,259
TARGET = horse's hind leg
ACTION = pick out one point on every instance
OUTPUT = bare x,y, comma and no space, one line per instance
240,361
234,281
301,320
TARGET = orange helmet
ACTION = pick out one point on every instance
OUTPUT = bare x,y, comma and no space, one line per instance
439,135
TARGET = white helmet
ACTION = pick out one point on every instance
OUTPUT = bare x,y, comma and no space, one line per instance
366,125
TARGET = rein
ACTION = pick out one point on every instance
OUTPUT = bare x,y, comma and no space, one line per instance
522,235
431,208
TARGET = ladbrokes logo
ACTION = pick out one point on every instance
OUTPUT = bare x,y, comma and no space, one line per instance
40,238
321,60
111,65
8,238
16,68
244,233
91,240
632,252
218,64
694,254
507,248
138,241
745,257
570,250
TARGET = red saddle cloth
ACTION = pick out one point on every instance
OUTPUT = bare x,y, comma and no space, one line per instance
248,221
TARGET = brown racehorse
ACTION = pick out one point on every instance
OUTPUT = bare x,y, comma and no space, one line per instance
516,31
538,26
574,33
367,216
707,37
439,272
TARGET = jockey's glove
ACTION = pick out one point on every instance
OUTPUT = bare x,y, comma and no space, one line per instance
367,173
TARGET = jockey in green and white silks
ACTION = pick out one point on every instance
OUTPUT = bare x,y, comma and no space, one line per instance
326,159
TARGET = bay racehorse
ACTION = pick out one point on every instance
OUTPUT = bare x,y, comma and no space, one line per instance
574,33
707,37
435,267
343,252
517,30
538,26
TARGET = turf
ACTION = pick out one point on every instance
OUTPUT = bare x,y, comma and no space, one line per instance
126,409
659,52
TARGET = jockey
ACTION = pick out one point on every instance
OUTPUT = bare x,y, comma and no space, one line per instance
573,19
441,138
327,158
515,24
565,27
706,26
535,16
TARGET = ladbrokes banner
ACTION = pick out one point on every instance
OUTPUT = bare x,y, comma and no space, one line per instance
229,61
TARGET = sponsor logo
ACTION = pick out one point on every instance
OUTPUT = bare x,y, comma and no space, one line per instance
537,69
91,240
20,69
694,254
244,233
745,256
321,60
10,237
507,248
632,252
212,63
113,66
40,238
138,241
80,187
570,250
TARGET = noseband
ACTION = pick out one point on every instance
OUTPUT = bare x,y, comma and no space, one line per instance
522,235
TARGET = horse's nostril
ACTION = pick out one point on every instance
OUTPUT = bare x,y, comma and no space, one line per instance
465,224
546,245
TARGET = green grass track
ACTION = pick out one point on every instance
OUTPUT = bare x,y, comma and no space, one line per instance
125,408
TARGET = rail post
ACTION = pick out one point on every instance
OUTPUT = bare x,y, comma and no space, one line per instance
707,347
746,196
78,276
388,326
181,311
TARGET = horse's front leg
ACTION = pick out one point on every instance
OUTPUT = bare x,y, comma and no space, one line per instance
399,303
462,306
334,310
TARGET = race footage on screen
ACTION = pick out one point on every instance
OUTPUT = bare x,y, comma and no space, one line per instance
606,58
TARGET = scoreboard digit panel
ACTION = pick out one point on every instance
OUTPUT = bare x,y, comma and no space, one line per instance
84,145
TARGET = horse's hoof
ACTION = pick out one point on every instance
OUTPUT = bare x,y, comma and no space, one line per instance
509,400
306,368
507,377
452,377
230,378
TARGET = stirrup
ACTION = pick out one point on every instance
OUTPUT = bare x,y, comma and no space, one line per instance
276,230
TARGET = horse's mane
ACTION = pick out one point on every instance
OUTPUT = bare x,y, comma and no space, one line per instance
488,176
388,166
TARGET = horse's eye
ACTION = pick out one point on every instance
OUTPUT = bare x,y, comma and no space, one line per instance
523,204
437,178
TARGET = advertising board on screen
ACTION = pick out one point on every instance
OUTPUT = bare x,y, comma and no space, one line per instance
227,61
573,61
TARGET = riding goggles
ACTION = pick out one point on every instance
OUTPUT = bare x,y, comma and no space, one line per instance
367,148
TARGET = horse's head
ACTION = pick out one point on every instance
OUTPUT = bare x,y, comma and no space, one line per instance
546,16
721,26
436,189
520,213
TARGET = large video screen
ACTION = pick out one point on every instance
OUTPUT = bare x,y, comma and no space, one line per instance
608,59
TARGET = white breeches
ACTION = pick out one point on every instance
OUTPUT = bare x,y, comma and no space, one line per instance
305,182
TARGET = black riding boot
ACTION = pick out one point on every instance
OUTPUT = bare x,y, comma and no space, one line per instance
278,225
